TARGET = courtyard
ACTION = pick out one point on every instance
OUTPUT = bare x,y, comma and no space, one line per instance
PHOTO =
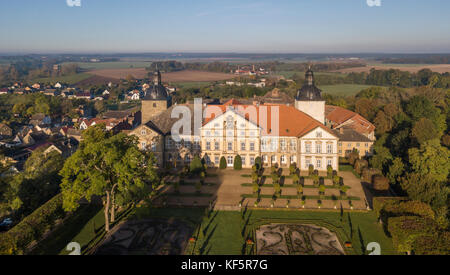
231,190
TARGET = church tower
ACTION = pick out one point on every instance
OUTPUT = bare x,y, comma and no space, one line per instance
156,99
309,99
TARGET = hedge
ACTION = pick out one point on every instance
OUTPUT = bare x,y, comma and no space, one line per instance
380,183
380,202
433,245
32,228
405,231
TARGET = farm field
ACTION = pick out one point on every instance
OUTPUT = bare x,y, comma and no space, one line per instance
112,65
412,68
290,74
344,89
70,79
175,77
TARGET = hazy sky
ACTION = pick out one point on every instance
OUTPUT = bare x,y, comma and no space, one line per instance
295,26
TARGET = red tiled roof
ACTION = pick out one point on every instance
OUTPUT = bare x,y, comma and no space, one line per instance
339,116
292,122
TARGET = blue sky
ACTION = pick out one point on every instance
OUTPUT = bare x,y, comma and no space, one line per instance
279,26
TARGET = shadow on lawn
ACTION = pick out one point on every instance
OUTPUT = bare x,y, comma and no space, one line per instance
58,240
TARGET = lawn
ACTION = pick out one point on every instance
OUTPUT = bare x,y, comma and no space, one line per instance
70,79
344,89
221,233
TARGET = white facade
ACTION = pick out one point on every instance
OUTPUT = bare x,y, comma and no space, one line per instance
315,109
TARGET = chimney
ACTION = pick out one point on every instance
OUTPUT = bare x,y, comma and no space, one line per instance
341,131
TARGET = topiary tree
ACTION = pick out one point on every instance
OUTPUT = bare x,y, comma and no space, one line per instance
238,163
293,168
310,170
198,187
322,189
336,180
296,179
330,171
300,189
258,162
223,163
196,165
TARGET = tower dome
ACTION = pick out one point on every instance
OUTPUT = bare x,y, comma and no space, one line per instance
157,91
309,91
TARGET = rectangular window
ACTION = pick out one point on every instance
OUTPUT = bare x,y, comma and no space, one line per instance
293,145
143,132
252,161
143,145
153,146
319,148
216,160
308,148
216,146
244,159
208,145
330,162
265,159
274,159
307,163
243,147
329,148
252,146
283,145
319,163
230,146
283,159
169,143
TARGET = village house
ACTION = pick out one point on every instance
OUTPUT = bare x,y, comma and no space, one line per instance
350,140
5,131
40,119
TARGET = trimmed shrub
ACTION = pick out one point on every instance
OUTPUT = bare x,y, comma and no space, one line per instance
406,230
258,162
368,173
438,244
296,179
293,169
380,183
32,227
380,202
360,164
336,180
322,189
329,171
353,156
223,163
310,170
300,189
198,187
238,163
196,165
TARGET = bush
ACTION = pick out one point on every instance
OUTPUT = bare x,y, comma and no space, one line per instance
438,244
238,163
336,180
353,157
196,165
386,208
258,162
380,183
223,163
368,173
380,202
322,189
293,169
300,189
406,230
330,171
32,227
360,165
310,170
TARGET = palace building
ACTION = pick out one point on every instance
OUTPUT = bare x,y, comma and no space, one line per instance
278,133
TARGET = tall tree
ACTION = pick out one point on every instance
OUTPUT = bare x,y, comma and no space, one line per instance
431,159
111,167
